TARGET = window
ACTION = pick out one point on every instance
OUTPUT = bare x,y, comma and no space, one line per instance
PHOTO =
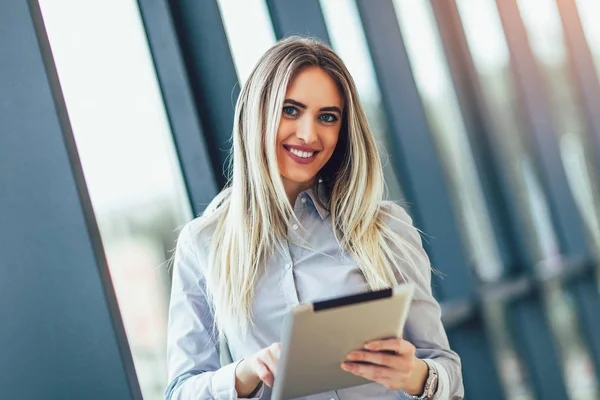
129,162
429,67
589,12
544,30
490,54
349,42
247,45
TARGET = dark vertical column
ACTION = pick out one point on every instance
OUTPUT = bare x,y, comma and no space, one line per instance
298,17
585,292
211,73
582,66
509,228
62,335
533,336
417,163
480,375
415,155
188,134
568,222
544,138
536,346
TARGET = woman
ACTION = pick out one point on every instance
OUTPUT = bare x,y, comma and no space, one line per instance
302,220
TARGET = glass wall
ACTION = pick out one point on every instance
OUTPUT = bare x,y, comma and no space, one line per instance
430,70
491,57
246,45
546,37
128,159
348,40
139,198
589,13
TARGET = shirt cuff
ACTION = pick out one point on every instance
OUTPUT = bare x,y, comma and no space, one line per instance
223,384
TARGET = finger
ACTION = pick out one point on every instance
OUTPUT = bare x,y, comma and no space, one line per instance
264,373
398,345
276,350
270,360
371,372
379,358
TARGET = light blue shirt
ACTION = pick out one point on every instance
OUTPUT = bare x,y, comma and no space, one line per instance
294,276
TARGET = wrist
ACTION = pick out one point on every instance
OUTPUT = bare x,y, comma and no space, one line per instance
246,381
416,383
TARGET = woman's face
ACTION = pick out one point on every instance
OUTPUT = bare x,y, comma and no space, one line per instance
310,125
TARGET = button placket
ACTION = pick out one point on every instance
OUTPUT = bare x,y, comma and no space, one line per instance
288,277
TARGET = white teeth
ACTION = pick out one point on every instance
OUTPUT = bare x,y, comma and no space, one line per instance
303,154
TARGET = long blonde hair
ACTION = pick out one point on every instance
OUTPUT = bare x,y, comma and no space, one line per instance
251,214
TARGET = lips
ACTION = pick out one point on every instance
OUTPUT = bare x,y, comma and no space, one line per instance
296,157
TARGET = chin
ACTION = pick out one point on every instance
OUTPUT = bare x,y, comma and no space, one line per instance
299,178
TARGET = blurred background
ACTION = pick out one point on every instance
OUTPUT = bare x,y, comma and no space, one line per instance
488,118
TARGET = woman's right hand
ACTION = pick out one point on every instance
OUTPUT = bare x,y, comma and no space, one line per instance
259,367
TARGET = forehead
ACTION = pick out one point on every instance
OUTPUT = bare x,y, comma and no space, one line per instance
314,87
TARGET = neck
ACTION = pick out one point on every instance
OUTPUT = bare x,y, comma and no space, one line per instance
293,189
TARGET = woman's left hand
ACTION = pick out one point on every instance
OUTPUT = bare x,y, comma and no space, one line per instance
395,365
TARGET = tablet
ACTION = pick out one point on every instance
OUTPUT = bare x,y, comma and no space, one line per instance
318,336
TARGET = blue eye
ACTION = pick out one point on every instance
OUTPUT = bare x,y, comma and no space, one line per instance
329,118
289,110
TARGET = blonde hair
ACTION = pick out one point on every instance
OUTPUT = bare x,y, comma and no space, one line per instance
251,214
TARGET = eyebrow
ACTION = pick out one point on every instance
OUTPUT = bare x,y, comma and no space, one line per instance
303,106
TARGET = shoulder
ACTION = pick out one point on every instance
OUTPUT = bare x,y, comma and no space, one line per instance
393,208
398,220
196,235
406,237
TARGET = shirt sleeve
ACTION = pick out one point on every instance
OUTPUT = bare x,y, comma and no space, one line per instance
193,362
424,327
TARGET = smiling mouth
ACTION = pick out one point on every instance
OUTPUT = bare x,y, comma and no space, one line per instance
301,154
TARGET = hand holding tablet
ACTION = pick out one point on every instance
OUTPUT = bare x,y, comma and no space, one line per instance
390,362
320,336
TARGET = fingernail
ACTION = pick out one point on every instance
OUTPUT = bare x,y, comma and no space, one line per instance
344,366
370,346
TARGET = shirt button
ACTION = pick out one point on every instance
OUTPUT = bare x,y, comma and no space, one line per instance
288,266
304,200
295,226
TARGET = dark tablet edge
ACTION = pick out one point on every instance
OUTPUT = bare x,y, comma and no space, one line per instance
352,299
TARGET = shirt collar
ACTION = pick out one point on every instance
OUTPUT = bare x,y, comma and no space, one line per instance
316,193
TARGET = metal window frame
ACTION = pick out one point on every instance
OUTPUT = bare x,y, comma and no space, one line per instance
56,278
211,73
188,134
582,69
524,294
298,17
569,224
543,135
496,181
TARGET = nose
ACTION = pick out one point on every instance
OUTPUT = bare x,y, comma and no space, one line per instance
306,130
